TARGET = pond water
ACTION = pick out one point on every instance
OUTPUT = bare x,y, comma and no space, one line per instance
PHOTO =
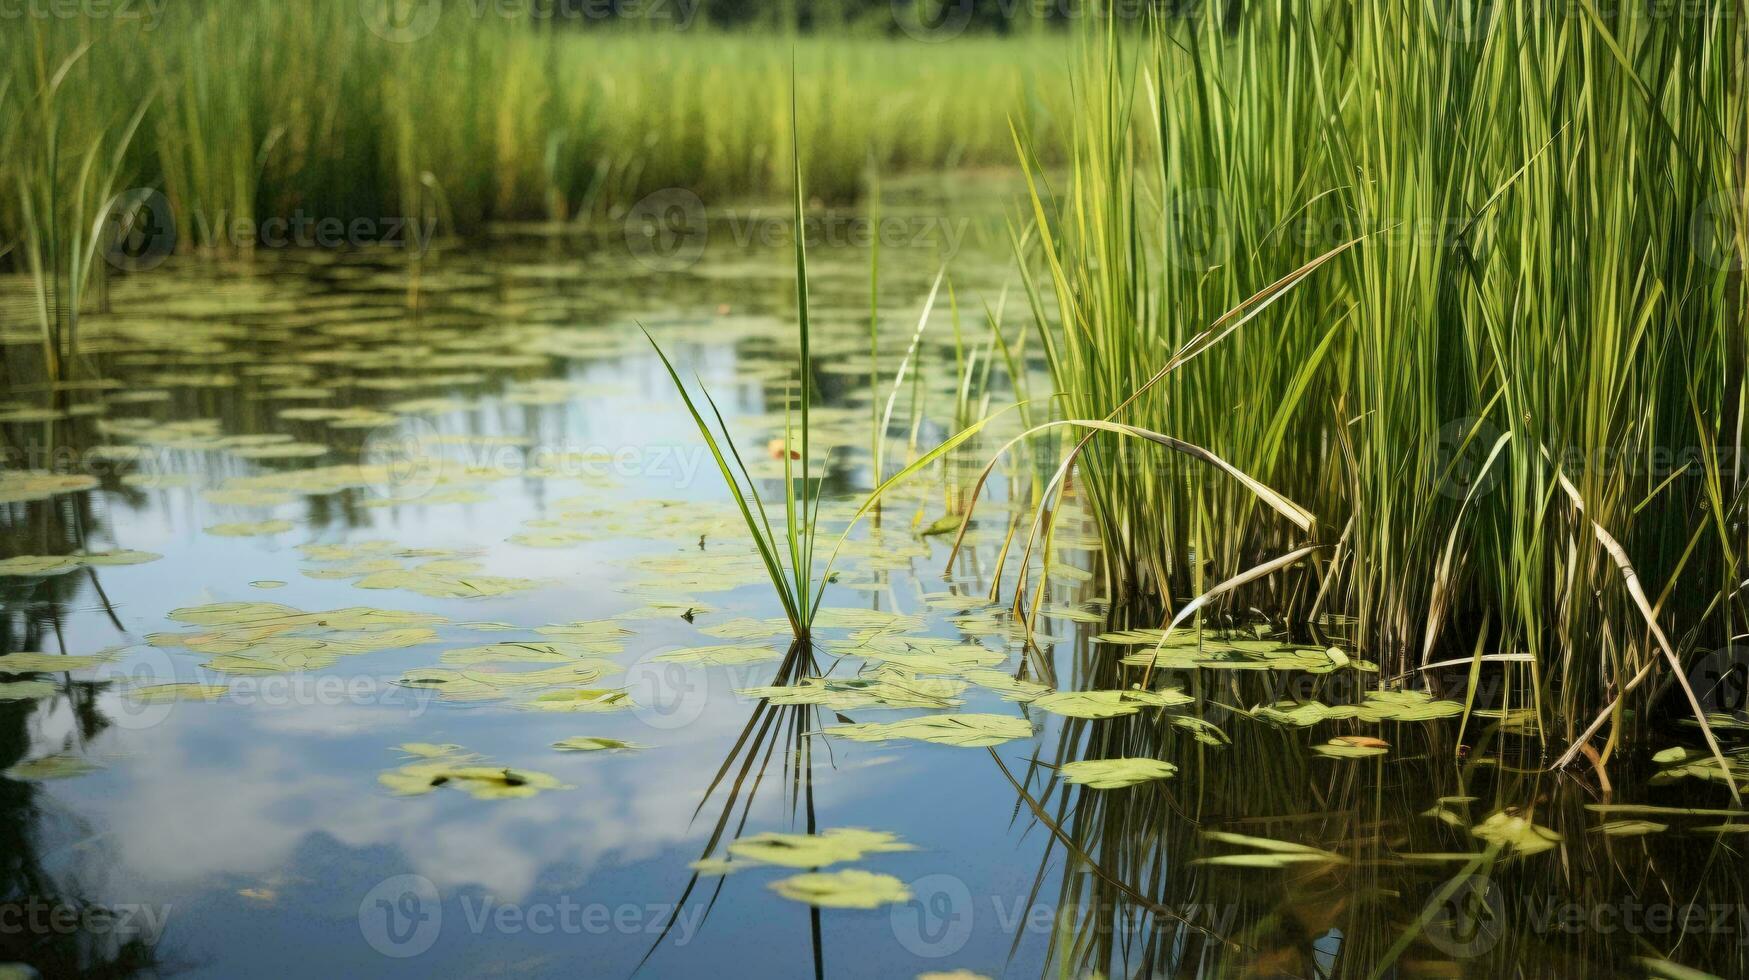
367,539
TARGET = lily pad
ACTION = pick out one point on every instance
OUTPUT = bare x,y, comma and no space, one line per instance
25,690
1687,763
583,699
24,662
1353,747
62,765
728,655
38,566
1630,828
18,486
882,690
1108,704
848,889
554,652
164,693
593,743
250,529
449,765
1011,688
1516,833
445,579
816,850
46,565
1115,773
967,730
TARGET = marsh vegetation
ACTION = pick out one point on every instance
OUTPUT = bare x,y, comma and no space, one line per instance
1202,490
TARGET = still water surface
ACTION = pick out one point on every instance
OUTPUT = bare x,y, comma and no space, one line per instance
407,511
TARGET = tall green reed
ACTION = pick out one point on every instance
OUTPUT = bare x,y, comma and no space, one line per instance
266,109
67,165
788,552
1504,375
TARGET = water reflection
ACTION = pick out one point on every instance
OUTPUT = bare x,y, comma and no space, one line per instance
495,411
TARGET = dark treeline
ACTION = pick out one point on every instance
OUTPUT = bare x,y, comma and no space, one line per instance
940,17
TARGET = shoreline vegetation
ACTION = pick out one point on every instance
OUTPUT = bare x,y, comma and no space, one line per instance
1442,326
251,110
1380,327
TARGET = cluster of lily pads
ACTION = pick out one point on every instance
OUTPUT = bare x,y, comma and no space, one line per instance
852,888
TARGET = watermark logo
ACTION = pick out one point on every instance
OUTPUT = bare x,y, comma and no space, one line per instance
402,916
1719,231
1721,680
1460,464
938,919
667,230
401,21
38,917
151,667
1198,235
139,230
1465,917
148,14
668,695
1464,20
409,457
933,21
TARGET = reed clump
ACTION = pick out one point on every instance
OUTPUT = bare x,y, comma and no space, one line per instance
1438,312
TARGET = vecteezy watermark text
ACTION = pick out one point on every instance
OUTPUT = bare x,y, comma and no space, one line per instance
40,917
668,230
141,231
406,21
149,13
403,916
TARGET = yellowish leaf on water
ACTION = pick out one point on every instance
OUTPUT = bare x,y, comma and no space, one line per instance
592,743
1516,832
163,693
1353,747
1115,773
449,765
250,530
968,730
848,889
827,847
1107,704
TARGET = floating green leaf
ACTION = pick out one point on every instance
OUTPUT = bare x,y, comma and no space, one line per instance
1115,773
25,690
848,889
164,693
828,847
1108,704
582,699
250,529
968,730
1516,833
729,655
449,765
18,486
884,690
1352,747
46,565
593,743
62,765
24,662
1630,828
